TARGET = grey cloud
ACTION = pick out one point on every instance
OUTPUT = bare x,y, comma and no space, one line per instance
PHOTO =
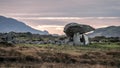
45,22
80,8
93,22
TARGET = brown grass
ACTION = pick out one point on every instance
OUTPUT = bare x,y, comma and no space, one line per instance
43,57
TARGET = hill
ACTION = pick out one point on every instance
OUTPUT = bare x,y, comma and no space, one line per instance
111,31
9,24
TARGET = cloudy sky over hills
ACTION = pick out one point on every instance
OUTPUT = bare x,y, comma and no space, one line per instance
52,15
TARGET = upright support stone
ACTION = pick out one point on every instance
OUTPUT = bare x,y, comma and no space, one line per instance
80,39
86,40
76,39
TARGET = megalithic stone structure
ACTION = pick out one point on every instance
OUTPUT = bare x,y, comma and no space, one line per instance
76,32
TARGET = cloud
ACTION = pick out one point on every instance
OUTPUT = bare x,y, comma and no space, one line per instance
37,17
56,25
53,29
51,15
50,26
82,8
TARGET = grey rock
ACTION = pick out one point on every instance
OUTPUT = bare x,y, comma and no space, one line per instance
76,35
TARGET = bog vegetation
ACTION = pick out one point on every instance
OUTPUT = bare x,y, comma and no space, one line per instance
101,53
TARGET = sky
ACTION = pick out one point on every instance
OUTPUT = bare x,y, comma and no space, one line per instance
53,15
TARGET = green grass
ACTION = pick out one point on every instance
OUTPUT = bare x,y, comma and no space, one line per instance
106,45
70,48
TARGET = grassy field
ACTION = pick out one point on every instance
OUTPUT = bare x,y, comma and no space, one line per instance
96,55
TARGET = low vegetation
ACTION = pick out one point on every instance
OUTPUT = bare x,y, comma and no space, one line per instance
96,55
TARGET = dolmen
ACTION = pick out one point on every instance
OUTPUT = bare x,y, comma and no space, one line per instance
76,33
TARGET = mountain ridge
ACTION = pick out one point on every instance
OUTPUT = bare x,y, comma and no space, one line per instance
10,24
110,31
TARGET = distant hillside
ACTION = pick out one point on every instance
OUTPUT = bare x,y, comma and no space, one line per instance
9,24
111,31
